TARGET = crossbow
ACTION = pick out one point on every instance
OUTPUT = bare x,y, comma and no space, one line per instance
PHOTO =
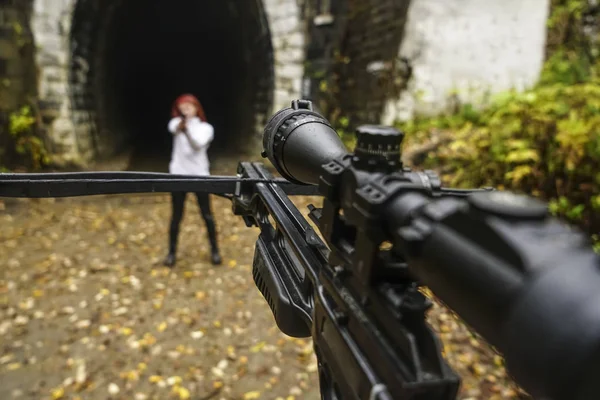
529,284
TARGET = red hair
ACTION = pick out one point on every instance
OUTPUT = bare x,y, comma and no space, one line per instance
188,98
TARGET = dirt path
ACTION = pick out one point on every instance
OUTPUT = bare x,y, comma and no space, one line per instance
87,312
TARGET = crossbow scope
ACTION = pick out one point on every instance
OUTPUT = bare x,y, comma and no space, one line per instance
525,281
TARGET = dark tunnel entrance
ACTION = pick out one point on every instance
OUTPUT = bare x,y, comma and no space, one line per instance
142,54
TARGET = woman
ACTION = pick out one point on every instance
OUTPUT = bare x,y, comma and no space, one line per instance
192,135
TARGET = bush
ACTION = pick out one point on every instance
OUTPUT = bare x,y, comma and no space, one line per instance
22,130
545,142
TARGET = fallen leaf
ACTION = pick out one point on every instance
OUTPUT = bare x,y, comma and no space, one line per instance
13,366
217,384
131,376
126,331
182,392
58,393
252,395
257,347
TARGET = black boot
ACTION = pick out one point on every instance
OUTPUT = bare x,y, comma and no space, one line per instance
170,260
212,237
215,257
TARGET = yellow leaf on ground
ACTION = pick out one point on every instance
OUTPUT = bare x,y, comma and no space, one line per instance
478,369
217,384
252,395
162,327
498,361
257,347
13,366
183,393
231,352
58,393
130,376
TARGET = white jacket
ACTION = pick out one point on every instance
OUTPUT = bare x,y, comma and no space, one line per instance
185,160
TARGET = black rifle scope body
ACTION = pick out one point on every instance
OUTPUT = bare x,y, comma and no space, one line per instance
527,282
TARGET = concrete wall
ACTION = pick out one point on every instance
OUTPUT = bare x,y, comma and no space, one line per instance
471,48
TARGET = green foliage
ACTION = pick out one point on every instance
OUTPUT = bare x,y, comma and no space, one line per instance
342,128
21,35
571,54
26,142
567,68
544,142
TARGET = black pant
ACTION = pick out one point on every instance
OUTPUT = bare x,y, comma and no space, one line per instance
178,204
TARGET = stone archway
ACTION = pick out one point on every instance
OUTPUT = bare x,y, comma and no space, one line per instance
109,70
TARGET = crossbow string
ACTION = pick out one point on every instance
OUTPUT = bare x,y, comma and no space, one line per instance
71,184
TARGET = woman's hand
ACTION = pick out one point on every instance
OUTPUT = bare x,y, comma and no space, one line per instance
182,126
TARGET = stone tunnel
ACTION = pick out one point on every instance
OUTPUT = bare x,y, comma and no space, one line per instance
132,58
128,60
108,71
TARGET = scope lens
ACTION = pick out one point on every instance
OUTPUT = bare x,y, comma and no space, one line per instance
299,141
